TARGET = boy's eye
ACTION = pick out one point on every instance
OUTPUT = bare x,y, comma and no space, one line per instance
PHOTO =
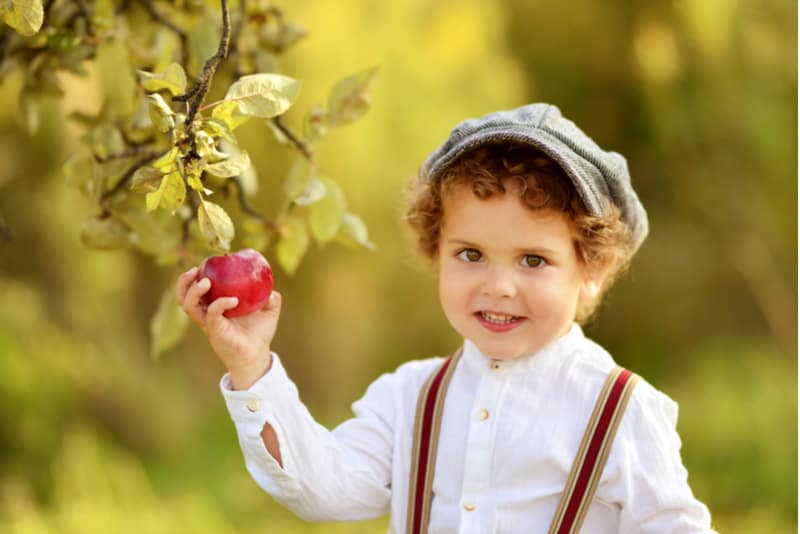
470,255
532,260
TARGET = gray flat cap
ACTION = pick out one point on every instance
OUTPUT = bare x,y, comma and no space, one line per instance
598,175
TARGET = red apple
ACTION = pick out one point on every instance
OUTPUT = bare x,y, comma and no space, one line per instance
245,275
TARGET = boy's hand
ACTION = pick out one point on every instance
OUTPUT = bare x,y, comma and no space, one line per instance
242,343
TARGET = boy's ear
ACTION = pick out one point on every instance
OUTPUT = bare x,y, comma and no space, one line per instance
590,289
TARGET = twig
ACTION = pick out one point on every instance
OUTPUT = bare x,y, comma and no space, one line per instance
247,208
46,7
198,92
158,17
126,178
128,153
195,204
301,145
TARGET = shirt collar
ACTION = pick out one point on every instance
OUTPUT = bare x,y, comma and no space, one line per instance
552,353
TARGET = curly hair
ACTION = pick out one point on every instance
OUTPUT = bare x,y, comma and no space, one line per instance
602,243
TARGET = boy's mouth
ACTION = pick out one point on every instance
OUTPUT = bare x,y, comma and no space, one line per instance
497,318
498,322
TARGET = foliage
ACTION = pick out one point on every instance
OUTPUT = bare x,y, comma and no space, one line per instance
156,145
699,96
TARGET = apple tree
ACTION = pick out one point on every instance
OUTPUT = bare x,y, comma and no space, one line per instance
158,155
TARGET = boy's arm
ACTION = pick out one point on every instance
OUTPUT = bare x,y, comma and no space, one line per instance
646,475
317,473
243,381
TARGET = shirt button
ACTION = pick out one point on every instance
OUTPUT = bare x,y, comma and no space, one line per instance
483,414
253,405
469,506
495,366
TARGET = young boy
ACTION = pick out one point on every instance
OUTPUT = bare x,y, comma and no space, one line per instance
529,426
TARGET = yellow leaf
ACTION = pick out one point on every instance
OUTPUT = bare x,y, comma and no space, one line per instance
263,95
169,195
216,225
168,325
293,244
25,16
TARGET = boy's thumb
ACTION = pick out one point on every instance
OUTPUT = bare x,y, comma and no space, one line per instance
274,301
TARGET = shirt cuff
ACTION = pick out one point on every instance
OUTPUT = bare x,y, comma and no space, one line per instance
250,410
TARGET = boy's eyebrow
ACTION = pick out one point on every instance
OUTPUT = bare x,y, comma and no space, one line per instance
527,250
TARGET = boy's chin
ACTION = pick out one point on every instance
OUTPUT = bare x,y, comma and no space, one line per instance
504,353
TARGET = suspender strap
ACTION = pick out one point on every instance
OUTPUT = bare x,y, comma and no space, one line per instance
426,438
593,452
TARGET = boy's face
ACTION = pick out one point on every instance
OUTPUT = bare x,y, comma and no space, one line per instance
509,278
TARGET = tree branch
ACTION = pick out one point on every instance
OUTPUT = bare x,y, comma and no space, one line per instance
136,150
301,145
247,208
128,175
198,92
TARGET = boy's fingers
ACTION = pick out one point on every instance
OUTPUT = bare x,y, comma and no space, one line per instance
184,281
214,317
191,303
273,302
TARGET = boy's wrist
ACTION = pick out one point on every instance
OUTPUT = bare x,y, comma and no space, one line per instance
244,377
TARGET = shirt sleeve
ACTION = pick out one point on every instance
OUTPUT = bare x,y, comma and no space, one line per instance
647,478
336,475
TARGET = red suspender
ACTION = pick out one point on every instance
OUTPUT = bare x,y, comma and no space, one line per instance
586,469
593,452
426,438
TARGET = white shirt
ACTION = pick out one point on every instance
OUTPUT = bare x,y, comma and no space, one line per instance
508,438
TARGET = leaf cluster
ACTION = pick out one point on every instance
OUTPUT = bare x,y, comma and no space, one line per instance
157,160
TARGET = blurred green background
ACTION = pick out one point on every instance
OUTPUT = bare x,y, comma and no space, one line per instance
701,96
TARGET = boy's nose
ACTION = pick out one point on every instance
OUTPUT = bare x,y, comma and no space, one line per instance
499,283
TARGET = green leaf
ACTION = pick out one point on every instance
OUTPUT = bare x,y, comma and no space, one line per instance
106,139
169,195
103,12
293,244
263,95
219,129
349,98
105,233
30,105
78,169
173,79
325,216
194,171
167,161
255,235
316,124
168,325
314,191
233,166
248,181
207,148
146,179
116,74
216,225
155,233
160,113
283,35
298,178
25,16
228,112
353,232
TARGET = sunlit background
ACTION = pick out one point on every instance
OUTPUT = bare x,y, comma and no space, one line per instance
700,95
